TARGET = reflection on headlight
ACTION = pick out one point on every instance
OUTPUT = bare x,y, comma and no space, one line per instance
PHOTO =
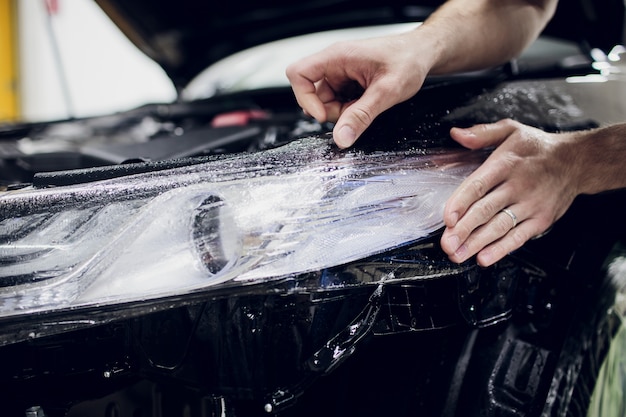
247,219
215,237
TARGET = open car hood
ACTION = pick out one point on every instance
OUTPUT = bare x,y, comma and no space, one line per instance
185,37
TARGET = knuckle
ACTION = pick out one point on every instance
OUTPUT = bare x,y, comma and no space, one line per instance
478,187
363,115
543,224
518,238
463,232
507,122
291,70
486,209
502,224
390,86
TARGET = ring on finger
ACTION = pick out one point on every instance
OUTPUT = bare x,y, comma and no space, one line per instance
511,215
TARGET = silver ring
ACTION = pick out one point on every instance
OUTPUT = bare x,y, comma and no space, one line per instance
511,215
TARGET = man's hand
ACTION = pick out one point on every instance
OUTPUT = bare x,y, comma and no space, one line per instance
352,82
524,186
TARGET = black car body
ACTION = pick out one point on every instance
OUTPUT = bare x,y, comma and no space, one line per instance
234,262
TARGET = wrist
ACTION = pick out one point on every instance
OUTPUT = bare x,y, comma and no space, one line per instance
599,159
428,49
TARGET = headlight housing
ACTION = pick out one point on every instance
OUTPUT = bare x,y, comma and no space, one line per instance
232,221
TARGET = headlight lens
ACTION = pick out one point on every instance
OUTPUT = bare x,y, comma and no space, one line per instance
247,219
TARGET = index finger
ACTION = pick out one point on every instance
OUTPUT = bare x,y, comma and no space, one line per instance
303,75
484,135
487,176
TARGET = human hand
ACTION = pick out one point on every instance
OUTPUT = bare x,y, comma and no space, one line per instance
352,82
530,173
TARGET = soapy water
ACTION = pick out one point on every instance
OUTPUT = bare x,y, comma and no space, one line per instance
284,212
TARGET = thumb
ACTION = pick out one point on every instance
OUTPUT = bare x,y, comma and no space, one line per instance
357,117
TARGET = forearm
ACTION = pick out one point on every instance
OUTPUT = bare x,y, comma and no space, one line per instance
599,158
469,35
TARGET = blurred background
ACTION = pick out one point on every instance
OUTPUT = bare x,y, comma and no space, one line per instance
65,58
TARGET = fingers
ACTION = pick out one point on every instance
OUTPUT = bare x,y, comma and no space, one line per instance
303,76
483,223
352,118
495,239
494,250
492,173
356,117
475,222
477,214
320,100
484,135
483,180
351,84
517,193
328,97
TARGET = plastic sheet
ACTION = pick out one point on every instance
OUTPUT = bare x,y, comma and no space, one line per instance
252,218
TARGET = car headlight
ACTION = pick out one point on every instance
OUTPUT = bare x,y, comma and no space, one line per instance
237,221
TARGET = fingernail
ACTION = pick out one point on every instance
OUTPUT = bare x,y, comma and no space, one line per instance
485,257
454,242
345,137
454,217
461,252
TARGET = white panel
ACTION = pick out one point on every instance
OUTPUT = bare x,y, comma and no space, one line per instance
105,72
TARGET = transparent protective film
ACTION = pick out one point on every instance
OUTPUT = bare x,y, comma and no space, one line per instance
249,219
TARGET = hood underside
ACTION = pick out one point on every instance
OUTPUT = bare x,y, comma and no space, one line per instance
186,36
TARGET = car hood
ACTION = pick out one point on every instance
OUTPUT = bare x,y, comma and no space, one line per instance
186,36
